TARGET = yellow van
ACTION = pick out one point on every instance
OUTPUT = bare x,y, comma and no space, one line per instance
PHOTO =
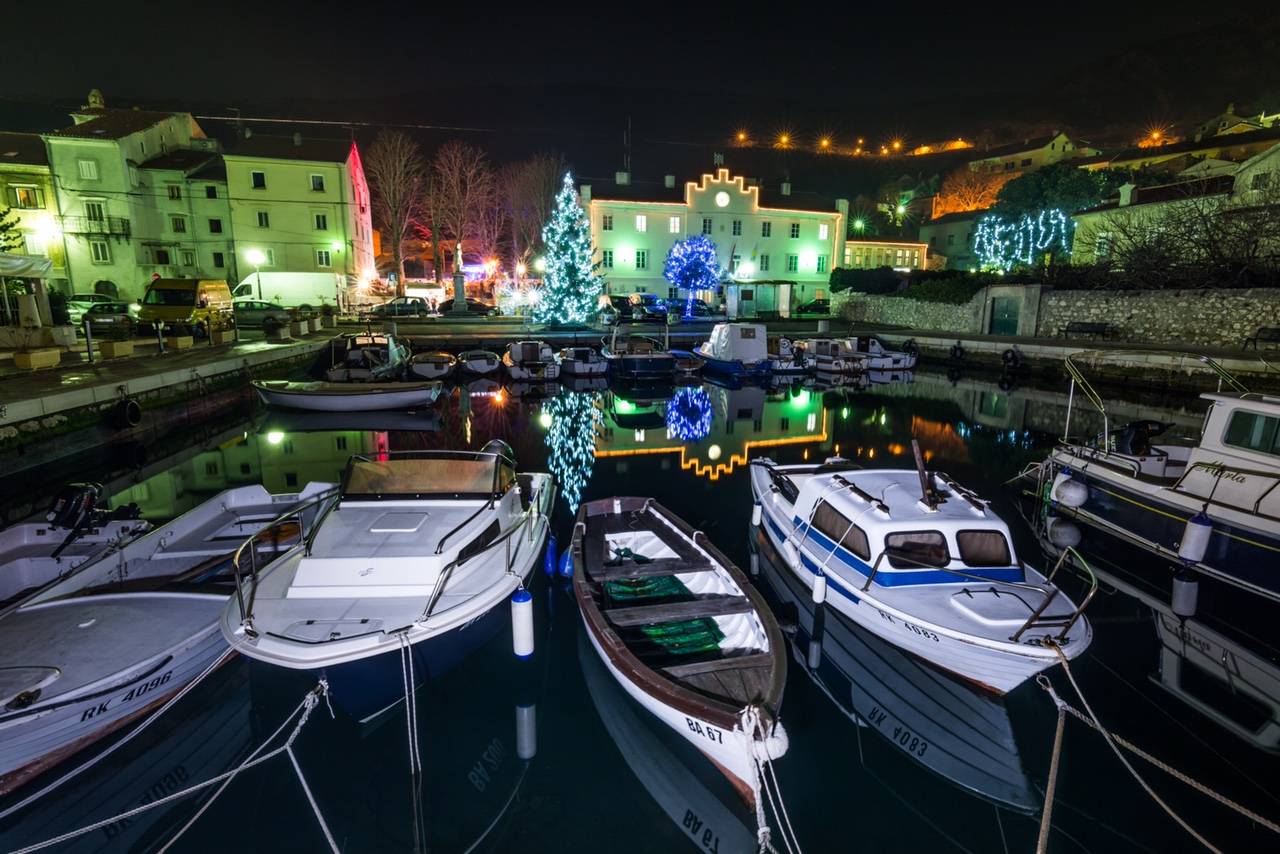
197,305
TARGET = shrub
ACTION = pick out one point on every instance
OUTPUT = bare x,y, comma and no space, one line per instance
880,280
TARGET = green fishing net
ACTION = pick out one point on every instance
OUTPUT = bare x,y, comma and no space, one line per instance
686,637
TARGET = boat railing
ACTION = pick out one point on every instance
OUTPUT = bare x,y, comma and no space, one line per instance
306,516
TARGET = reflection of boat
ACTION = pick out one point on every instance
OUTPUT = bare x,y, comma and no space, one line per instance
583,384
940,722
682,631
582,362
1214,505
534,390
346,397
299,421
696,798
527,361
883,377
640,409
432,366
922,562
482,362
366,357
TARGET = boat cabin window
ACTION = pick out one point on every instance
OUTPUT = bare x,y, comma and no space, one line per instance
983,548
835,526
423,477
912,549
1253,431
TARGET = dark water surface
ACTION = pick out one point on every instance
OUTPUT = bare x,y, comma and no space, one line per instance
886,754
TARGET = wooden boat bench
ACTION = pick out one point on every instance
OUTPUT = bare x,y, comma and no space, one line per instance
647,615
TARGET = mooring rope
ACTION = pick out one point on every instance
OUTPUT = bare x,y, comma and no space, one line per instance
757,742
410,704
1046,815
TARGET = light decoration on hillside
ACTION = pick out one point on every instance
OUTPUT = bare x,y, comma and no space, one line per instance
571,288
691,264
689,414
1001,244
574,420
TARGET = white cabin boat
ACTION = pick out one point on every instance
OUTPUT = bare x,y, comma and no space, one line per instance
788,357
582,362
879,357
347,397
921,562
479,362
530,361
432,366
833,356
736,350
414,546
366,357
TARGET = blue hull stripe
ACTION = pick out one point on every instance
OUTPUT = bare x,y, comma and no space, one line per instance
832,582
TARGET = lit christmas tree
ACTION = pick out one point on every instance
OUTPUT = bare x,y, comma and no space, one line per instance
571,289
691,264
1001,244
571,438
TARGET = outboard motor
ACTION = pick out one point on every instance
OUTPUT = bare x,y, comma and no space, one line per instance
75,506
501,448
1134,438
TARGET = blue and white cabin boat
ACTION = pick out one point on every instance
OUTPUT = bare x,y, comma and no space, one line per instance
737,350
922,562
638,358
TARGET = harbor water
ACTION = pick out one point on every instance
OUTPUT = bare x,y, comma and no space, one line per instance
549,754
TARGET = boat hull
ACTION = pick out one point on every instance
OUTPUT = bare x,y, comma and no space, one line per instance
359,399
733,367
430,370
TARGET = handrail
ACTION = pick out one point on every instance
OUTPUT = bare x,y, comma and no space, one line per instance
529,516
1065,622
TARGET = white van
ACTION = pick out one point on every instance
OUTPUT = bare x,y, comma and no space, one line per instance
304,291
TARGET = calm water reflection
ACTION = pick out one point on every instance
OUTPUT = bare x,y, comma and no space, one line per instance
886,752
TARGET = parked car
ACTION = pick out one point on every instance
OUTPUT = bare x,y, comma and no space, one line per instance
695,310
638,308
814,306
475,306
109,319
77,304
188,306
402,307
254,313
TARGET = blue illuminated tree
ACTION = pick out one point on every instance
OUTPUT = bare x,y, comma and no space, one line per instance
571,289
689,414
691,264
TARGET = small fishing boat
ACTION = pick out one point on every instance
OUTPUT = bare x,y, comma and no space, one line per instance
788,357
639,358
415,545
683,631
582,362
530,361
347,397
75,532
366,357
479,362
432,366
922,562
859,353
735,350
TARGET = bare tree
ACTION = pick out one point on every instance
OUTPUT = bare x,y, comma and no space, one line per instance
528,194
396,171
464,187
967,190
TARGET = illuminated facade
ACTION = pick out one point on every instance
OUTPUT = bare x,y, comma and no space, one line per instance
26,188
898,254
760,235
1030,154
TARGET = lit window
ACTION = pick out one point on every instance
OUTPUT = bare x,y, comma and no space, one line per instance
88,169
793,263
795,231
323,259
175,192
258,180
764,263
606,259
606,222
642,259
179,224
673,225
321,222
706,225
848,257
26,198
317,183
823,230
264,219
100,251
766,229
642,223
737,227
822,264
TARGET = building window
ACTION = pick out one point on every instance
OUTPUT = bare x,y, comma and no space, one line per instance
258,180
291,478
606,259
1260,181
317,183
219,260
88,169
734,263
1026,161
26,198
642,259
1008,167
764,263
271,257
848,257
340,442
822,264
264,220
736,228
178,224
321,221
188,258
795,231
766,229
606,222
323,259
793,263
951,240
673,294
100,251
95,211
642,223
210,468
1102,244
215,226
823,230
210,191
706,225
175,192
673,225
161,256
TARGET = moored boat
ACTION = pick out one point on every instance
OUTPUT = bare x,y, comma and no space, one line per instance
683,631
582,362
479,362
346,397
736,350
366,357
531,361
639,358
833,356
432,366
788,357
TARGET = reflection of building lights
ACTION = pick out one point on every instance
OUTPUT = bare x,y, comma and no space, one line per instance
275,437
824,143
812,422
871,453
844,412
622,406
639,435
500,397
713,453
544,418
48,228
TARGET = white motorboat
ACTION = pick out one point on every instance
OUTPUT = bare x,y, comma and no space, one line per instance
414,546
922,562
1212,504
881,358
582,362
682,631
366,357
347,397
530,361
788,357
481,362
75,532
432,366
833,356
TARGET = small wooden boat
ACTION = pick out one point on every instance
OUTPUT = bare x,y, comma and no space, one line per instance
432,366
683,631
366,357
347,397
481,362
582,362
530,361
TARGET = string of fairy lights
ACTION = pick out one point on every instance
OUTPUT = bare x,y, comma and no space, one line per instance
575,419
689,414
1001,243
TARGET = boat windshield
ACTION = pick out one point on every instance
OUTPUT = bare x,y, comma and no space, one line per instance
421,477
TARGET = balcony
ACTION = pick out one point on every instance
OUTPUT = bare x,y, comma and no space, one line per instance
117,226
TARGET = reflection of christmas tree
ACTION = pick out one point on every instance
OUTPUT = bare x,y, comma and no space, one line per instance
575,416
689,415
571,289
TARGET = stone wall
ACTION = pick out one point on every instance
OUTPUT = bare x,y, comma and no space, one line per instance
1211,317
897,311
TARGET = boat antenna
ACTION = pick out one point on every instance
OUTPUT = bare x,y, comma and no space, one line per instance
928,494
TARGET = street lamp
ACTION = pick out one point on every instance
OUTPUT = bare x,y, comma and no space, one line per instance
540,264
257,258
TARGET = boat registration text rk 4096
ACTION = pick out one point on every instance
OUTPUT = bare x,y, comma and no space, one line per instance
134,693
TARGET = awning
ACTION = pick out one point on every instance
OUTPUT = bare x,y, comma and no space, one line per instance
32,266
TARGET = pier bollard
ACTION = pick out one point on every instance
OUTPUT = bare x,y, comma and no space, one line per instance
160,338
88,338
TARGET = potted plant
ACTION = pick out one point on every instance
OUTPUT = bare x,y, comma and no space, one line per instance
328,317
298,326
275,330
223,334
33,358
119,343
